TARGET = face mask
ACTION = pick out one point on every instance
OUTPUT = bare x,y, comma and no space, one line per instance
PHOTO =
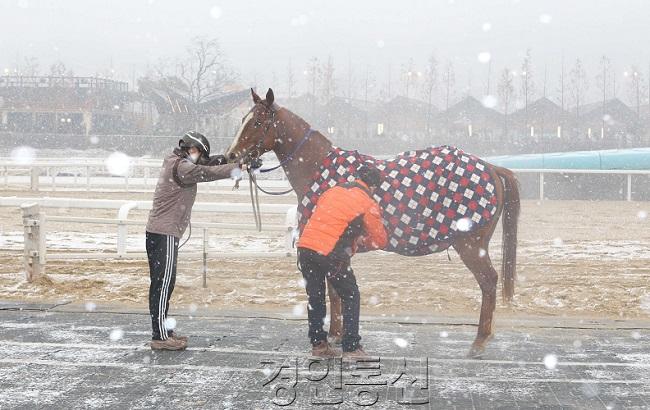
194,157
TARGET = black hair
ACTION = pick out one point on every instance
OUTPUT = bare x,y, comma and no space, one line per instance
370,175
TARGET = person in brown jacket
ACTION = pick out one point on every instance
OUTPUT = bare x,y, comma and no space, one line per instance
173,199
346,217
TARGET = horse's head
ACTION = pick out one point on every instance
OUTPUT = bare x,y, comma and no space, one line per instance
258,131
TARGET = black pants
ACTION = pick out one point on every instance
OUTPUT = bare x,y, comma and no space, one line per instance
315,269
162,251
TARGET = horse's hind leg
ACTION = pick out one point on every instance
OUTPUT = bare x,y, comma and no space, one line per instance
474,253
336,318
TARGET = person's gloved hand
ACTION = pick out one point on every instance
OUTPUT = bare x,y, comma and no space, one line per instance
255,163
217,160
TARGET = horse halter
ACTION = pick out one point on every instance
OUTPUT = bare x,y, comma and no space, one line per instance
256,150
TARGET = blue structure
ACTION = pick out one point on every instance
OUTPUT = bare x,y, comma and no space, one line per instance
618,159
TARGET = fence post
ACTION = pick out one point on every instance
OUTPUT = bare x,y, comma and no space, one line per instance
629,187
541,186
34,177
205,257
123,228
291,221
34,243
88,178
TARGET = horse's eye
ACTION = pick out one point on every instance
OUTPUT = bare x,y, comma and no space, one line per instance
258,123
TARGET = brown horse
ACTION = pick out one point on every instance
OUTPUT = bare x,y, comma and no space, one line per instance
301,151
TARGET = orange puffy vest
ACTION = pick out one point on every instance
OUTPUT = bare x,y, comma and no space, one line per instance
335,210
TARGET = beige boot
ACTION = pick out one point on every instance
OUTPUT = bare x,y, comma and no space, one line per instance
356,354
168,344
325,350
173,335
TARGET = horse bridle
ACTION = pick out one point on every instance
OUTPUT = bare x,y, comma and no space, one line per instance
257,148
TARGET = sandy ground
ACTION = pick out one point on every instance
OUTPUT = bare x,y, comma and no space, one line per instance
575,258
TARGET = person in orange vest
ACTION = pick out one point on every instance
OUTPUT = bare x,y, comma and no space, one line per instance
346,218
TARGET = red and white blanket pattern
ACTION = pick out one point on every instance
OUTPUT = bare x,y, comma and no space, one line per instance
427,196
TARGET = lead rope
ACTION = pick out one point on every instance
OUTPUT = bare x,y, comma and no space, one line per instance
255,200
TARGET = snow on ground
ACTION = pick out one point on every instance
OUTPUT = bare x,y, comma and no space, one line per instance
570,262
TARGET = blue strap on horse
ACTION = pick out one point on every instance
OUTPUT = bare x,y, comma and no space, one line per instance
255,201
290,156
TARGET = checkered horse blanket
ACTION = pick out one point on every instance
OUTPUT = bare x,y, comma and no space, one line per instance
427,196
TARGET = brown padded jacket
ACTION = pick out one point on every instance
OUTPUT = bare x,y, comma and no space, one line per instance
337,210
176,191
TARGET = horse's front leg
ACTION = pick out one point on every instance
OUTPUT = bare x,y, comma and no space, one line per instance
336,318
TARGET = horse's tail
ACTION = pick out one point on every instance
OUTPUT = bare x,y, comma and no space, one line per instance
511,207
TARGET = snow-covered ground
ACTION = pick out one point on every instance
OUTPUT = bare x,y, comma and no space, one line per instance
575,258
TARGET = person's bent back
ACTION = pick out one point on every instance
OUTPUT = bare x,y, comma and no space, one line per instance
344,213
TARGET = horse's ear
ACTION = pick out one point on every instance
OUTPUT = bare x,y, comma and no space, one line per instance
256,98
270,97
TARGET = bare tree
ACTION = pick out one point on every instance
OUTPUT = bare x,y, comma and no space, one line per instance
58,69
527,84
389,81
489,77
604,77
274,78
313,73
562,86
448,81
350,91
204,73
636,88
578,85
545,81
291,81
328,84
602,82
349,94
410,76
430,86
614,89
368,84
29,67
506,91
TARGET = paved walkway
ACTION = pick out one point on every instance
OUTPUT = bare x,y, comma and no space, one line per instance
66,357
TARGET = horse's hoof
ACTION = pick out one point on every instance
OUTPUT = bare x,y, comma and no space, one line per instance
476,352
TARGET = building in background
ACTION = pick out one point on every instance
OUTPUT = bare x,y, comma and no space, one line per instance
174,113
71,105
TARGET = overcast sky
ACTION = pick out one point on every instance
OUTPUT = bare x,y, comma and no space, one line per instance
261,37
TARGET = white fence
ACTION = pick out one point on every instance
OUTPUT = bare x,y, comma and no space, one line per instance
35,227
90,175
542,172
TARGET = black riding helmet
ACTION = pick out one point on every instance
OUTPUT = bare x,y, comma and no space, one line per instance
198,140
370,175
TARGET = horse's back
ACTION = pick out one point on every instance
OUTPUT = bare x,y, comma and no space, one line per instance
428,196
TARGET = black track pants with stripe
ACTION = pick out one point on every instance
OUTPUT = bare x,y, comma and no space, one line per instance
162,251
